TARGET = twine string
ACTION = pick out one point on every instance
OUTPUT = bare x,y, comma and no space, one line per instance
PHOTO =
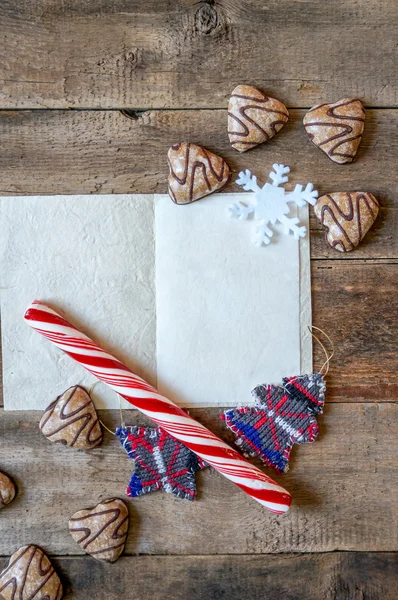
328,356
105,427
122,424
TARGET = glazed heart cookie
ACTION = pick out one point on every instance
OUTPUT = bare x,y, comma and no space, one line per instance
347,217
102,530
337,128
253,117
194,172
72,420
7,489
30,574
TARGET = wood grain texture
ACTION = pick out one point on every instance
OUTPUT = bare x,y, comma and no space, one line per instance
119,53
333,576
356,303
190,54
342,487
63,152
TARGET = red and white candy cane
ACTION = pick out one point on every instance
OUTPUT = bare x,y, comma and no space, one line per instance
165,413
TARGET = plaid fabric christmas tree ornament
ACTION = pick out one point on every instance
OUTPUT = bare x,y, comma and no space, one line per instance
161,462
282,416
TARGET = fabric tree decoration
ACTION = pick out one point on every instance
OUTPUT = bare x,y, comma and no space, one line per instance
282,416
161,462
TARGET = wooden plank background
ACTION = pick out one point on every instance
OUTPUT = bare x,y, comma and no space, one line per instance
354,575
169,66
190,54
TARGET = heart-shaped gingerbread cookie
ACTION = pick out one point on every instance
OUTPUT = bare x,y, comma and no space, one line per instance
7,489
347,217
253,117
101,530
72,420
30,574
194,172
337,128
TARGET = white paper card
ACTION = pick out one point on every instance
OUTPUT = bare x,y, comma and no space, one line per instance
218,317
92,257
228,312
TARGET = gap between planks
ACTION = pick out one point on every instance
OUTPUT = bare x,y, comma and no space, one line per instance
138,111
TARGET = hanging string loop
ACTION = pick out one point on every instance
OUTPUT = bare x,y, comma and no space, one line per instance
122,424
328,356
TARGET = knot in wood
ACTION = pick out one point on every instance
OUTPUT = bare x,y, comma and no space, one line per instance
206,17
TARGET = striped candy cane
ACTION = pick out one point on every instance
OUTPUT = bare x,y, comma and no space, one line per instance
165,413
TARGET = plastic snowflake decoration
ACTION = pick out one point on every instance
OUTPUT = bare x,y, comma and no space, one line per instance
271,204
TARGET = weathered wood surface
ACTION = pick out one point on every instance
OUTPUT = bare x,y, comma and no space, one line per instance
356,303
344,491
188,54
119,53
334,576
64,152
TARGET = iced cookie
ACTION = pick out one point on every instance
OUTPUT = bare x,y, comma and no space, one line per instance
194,172
72,420
30,574
102,530
253,117
337,128
347,217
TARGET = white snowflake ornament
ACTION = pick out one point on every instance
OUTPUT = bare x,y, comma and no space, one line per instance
271,204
